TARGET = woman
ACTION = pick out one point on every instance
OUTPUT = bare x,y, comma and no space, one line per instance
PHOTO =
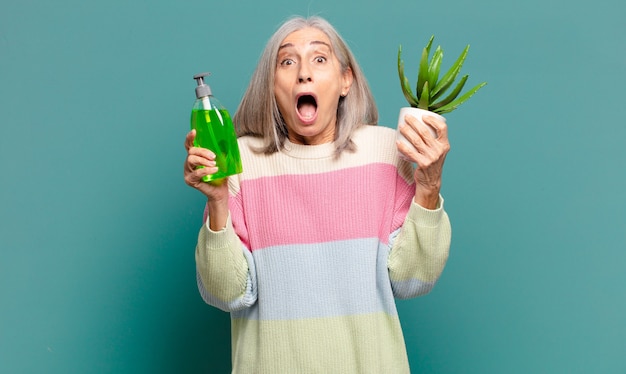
308,247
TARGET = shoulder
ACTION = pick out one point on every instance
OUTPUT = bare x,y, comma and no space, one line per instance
378,140
377,144
368,132
248,141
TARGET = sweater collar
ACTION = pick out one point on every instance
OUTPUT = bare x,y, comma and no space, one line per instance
308,151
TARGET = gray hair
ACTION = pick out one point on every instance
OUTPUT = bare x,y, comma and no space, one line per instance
253,118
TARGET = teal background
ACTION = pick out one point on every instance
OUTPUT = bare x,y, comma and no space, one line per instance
98,228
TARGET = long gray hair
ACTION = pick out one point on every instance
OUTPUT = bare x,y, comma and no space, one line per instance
258,113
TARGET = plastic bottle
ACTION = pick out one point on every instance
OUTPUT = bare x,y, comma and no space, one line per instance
215,131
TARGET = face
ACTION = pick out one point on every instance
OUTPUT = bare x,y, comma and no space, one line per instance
308,84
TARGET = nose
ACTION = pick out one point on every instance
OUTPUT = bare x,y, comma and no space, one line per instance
303,79
304,75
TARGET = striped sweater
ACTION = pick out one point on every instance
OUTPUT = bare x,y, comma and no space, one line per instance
315,251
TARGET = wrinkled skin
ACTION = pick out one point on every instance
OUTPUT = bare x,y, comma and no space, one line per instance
429,154
216,193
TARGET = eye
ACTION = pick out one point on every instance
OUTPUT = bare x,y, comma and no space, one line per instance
287,62
320,59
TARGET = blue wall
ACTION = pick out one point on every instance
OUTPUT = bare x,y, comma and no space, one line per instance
98,229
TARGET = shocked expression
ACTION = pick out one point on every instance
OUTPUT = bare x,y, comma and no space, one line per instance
308,84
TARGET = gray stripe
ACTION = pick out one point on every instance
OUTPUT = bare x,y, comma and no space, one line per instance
322,280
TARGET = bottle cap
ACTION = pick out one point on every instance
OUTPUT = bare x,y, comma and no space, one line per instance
203,89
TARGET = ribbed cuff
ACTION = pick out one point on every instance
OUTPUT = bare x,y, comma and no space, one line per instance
426,217
222,238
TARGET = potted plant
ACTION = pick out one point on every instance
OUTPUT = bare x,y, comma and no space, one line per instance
430,92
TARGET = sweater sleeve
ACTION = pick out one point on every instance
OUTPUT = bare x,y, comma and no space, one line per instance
224,269
419,251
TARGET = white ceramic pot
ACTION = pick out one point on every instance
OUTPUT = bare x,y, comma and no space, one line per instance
417,113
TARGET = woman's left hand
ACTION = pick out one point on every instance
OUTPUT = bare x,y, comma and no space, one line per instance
429,153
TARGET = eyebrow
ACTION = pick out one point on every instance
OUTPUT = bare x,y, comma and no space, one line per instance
286,45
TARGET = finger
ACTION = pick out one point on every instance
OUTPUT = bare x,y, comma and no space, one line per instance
202,152
199,173
191,135
416,134
409,152
440,127
194,177
194,160
425,131
412,122
189,145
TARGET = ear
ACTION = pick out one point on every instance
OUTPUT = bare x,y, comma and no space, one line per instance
347,80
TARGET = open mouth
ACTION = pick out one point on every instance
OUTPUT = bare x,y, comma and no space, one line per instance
307,107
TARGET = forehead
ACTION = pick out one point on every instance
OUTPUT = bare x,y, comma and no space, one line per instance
306,36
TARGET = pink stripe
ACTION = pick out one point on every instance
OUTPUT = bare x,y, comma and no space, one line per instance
347,204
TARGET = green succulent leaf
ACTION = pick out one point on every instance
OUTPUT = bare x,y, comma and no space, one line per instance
434,67
447,80
422,73
424,99
448,99
430,43
404,81
422,76
430,88
455,104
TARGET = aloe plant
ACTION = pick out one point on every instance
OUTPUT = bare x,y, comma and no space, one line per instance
430,88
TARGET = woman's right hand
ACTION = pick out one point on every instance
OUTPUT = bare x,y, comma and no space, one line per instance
217,191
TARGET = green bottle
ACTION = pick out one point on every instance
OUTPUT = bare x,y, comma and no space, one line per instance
215,131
